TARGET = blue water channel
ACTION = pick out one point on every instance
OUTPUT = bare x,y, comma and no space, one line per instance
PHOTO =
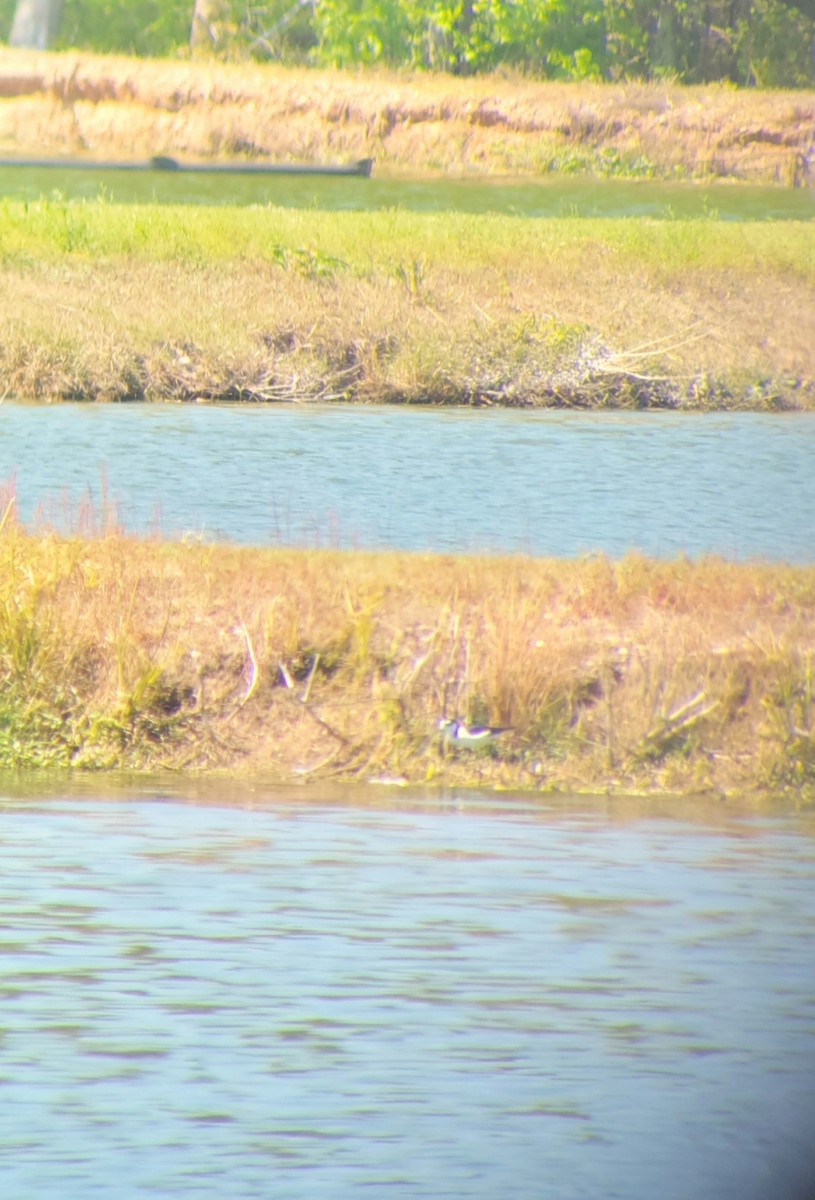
282,995
545,483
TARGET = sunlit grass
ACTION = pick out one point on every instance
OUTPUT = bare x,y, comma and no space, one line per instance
49,230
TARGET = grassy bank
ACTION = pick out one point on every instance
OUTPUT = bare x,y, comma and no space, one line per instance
102,301
114,107
683,675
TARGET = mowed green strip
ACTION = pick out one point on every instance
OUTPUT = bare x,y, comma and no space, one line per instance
363,242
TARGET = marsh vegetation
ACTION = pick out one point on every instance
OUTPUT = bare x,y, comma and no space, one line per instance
117,653
110,301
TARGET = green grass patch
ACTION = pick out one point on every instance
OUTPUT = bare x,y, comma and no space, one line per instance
51,229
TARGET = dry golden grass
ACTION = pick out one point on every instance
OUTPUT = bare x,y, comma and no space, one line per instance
114,106
624,675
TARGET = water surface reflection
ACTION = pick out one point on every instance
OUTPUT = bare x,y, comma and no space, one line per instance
552,483
438,997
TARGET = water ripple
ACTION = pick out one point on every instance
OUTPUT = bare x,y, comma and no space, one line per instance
447,1002
738,484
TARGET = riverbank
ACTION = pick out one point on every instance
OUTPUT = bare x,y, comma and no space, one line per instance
107,301
117,654
118,107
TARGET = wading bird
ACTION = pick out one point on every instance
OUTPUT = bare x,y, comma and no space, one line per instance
469,736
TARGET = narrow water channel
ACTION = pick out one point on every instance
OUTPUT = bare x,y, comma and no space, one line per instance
548,196
273,994
547,483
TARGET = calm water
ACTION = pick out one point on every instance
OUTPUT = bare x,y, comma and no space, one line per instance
742,485
450,998
549,196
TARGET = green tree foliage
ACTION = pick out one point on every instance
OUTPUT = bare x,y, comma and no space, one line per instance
769,43
766,42
143,27
129,28
774,44
544,37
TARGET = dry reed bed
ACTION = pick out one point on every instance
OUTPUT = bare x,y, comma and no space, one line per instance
690,676
112,106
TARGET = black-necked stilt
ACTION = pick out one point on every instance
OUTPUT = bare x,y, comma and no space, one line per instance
469,736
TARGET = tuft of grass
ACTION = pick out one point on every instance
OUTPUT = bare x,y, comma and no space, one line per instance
310,263
788,733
